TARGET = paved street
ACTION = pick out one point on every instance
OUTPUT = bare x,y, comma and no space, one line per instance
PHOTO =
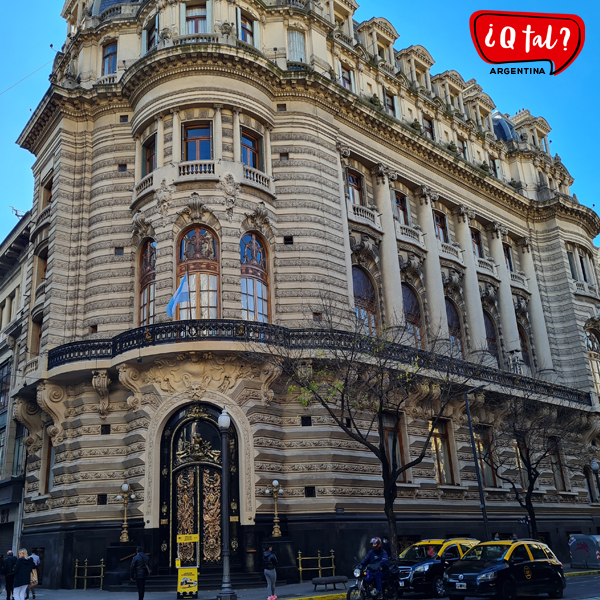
578,588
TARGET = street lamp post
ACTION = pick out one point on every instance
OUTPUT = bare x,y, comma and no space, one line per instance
226,592
477,470
125,497
275,490
596,468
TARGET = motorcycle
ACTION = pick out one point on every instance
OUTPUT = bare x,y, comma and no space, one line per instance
365,587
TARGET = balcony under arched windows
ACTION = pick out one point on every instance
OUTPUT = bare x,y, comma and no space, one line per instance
147,283
255,284
198,257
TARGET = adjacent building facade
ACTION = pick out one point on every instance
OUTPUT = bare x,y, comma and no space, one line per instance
268,152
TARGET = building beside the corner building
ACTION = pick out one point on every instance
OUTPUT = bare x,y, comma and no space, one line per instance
270,151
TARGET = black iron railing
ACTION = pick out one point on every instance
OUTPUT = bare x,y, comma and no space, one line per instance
225,330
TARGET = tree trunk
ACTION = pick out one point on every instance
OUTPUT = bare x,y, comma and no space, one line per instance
389,495
533,522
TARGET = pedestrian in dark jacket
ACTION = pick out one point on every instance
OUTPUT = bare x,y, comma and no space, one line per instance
140,571
270,565
9,573
23,570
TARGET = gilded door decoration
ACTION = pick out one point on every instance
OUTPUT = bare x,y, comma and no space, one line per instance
190,503
212,516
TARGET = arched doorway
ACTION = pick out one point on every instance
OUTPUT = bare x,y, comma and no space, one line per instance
190,488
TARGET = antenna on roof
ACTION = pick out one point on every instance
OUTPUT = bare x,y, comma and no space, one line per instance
17,213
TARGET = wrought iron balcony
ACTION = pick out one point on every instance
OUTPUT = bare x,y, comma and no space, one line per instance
228,330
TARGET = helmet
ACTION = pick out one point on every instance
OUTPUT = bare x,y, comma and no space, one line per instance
376,542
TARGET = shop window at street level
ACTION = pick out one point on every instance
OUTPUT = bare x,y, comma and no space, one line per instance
198,258
109,59
255,291
365,302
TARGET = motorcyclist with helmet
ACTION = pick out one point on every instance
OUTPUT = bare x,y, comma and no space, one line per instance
376,560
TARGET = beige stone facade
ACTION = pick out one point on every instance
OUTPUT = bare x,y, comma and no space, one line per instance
175,130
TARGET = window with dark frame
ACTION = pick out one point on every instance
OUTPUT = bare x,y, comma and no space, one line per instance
389,104
522,454
402,208
281,107
18,466
310,491
454,328
255,290
462,148
493,166
306,421
149,156
5,373
250,150
394,449
477,246
284,156
428,129
508,257
490,335
355,188
557,468
124,119
102,500
247,30
484,456
440,451
147,283
109,59
365,301
592,342
584,267
122,168
151,37
572,266
441,229
346,78
412,314
197,142
524,346
195,18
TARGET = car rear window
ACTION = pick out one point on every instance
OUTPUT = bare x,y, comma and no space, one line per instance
537,552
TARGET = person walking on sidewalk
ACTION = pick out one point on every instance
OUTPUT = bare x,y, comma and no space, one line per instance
36,561
140,571
23,570
270,565
9,573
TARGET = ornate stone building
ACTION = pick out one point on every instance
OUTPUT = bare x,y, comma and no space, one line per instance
270,151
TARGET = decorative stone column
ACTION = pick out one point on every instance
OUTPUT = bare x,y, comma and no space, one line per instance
536,314
505,299
413,71
374,42
478,116
461,103
434,286
331,12
428,80
475,320
344,154
6,311
176,152
268,157
237,136
138,159
447,92
218,143
388,249
160,142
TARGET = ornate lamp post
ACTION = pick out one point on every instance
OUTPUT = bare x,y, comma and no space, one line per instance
226,592
275,490
595,468
126,497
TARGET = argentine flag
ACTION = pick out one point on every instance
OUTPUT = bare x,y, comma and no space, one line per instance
181,295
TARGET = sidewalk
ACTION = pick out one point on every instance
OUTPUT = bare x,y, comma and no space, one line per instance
287,592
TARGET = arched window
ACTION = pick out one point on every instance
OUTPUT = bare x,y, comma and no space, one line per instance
412,314
490,336
198,257
365,300
524,347
255,297
592,342
454,328
147,285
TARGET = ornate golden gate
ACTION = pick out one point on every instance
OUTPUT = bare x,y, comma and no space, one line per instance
191,488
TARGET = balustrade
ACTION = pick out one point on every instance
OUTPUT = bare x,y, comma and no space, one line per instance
196,167
257,176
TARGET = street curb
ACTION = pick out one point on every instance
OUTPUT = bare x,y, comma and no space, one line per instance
581,573
327,597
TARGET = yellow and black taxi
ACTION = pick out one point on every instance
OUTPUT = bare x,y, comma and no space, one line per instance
505,570
421,566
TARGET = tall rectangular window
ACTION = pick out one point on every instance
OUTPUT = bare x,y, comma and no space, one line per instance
149,156
197,142
521,451
355,188
508,257
296,52
250,150
476,239
557,470
17,467
394,450
572,266
195,17
346,78
247,30
402,208
428,128
484,456
109,59
4,383
152,37
493,166
2,449
462,149
441,230
440,452
584,268
389,104
204,303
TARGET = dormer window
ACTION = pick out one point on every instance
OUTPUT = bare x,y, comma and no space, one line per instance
109,59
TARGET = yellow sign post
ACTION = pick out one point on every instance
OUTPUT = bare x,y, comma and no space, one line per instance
187,577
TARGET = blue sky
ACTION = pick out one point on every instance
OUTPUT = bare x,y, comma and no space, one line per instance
568,101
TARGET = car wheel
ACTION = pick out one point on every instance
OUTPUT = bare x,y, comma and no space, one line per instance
557,590
509,591
353,594
439,588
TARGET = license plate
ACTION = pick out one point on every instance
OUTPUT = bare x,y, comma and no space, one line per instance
461,586
401,583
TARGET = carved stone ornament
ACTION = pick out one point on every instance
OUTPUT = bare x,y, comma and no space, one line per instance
466,214
453,281
428,195
129,377
521,307
29,414
499,230
100,383
51,399
259,217
267,376
383,172
163,197
231,189
343,149
489,296
411,266
195,208
525,243
140,227
365,250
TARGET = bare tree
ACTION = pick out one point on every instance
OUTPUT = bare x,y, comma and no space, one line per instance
365,383
526,440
